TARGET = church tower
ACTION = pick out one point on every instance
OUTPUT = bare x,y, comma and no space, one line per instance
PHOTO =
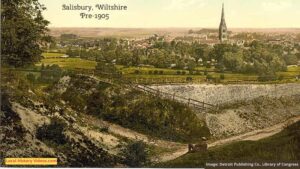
223,36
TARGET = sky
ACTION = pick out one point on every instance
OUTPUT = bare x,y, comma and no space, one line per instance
180,13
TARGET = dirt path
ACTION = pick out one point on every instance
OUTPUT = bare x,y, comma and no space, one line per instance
179,149
256,134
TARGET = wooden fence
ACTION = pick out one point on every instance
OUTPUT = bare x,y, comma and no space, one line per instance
200,105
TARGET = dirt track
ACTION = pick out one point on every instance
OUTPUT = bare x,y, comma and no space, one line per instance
253,136
256,134
181,149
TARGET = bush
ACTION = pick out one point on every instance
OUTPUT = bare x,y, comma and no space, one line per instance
96,103
217,80
280,77
155,72
161,72
135,154
268,76
150,72
222,76
178,72
189,79
104,129
205,72
198,72
209,77
137,72
30,77
52,132
50,74
183,72
208,65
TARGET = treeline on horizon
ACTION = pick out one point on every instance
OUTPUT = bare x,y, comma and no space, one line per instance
254,58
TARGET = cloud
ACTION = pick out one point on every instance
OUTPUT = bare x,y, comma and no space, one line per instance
184,4
276,6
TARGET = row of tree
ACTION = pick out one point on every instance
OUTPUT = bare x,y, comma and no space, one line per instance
257,57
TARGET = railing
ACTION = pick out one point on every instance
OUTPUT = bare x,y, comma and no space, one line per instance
201,105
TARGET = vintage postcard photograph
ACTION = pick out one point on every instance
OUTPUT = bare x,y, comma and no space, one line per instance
150,84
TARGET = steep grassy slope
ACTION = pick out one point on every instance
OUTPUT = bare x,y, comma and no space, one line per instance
49,120
30,127
130,108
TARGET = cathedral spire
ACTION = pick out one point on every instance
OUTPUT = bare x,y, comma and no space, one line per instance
223,27
223,16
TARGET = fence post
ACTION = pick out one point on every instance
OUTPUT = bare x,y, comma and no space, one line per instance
189,101
173,96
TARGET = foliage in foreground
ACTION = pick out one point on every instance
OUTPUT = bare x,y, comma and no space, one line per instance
23,31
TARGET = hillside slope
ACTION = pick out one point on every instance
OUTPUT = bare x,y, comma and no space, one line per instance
86,122
284,146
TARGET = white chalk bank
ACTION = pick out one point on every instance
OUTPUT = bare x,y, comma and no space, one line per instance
219,94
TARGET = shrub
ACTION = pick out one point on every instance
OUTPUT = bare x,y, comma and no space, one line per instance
135,154
280,77
52,132
150,72
30,77
155,72
198,72
50,73
189,79
222,76
183,72
208,65
205,72
137,72
161,72
96,103
178,72
217,80
267,77
104,129
209,77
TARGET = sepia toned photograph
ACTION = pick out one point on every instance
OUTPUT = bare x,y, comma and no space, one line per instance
150,84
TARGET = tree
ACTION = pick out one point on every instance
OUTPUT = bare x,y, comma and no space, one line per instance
199,53
23,32
234,61
291,59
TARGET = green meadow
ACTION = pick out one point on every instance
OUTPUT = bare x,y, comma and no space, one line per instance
162,75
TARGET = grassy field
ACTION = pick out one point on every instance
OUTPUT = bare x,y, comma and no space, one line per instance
291,71
162,75
70,63
52,55
149,75
283,146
